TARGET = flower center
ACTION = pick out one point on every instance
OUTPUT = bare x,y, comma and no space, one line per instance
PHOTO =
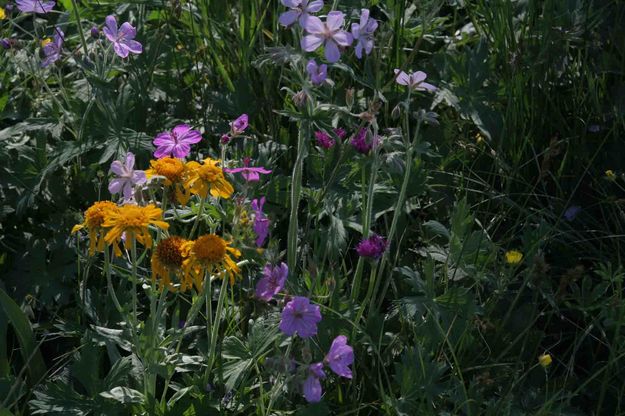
210,248
169,167
169,252
134,216
94,216
209,173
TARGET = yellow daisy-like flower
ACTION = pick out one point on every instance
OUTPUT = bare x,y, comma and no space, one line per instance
173,170
167,260
514,257
610,174
133,220
200,179
3,15
208,254
545,360
94,223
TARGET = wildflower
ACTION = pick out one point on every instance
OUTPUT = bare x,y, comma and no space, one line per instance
249,173
544,360
272,282
200,179
360,143
571,212
6,43
177,143
330,34
513,257
127,177
133,220
52,48
261,222
479,139
317,73
414,80
167,260
239,125
363,32
300,9
208,254
312,384
34,6
95,32
340,132
340,357
324,140
122,39
372,247
173,170
94,219
300,317
610,174
225,139
3,14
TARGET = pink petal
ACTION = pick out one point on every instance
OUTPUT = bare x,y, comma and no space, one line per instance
424,86
417,77
127,31
134,46
163,139
120,49
111,27
182,150
401,77
163,151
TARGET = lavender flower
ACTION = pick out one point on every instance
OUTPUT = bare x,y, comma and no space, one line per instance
127,177
261,222
177,143
300,317
52,50
363,32
312,384
34,6
95,32
571,212
6,43
122,39
249,173
340,357
414,80
360,143
372,247
317,73
300,9
239,125
330,34
272,282
324,140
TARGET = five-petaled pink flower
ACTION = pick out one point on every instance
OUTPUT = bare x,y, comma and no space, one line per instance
177,143
239,125
300,9
272,282
414,80
330,34
127,178
340,357
34,6
249,173
363,33
301,317
122,39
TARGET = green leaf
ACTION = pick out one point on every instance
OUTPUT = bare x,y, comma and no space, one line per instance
123,395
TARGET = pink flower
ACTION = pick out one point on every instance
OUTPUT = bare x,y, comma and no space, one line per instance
300,9
372,247
312,384
249,173
363,32
414,80
330,34
324,140
340,357
272,282
177,143
122,39
239,125
360,143
301,317
261,222
127,178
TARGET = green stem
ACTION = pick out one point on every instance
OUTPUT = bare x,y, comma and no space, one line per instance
197,218
83,41
215,327
296,190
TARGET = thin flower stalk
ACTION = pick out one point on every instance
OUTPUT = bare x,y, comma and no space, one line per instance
296,190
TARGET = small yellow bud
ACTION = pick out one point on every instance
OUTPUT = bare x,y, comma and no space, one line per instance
45,41
479,138
3,15
514,257
610,174
545,360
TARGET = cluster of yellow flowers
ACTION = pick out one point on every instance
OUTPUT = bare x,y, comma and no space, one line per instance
109,224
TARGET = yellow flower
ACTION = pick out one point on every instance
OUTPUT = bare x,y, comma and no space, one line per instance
94,219
208,254
167,260
133,220
3,15
610,174
45,41
514,257
545,360
479,138
173,170
200,179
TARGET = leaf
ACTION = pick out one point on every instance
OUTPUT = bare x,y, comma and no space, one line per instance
123,395
437,228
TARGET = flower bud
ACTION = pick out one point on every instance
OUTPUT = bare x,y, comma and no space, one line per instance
349,97
300,99
225,139
95,32
6,43
396,113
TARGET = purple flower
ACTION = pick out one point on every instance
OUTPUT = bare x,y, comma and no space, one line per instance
272,282
340,357
239,125
372,247
317,73
312,384
363,32
414,80
571,212
225,139
126,178
340,132
360,143
324,140
95,32
177,143
34,6
300,317
123,39
52,50
249,173
261,222
300,9
330,34
6,43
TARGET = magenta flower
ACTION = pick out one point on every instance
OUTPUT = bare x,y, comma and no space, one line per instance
34,6
340,132
272,282
127,178
414,80
249,173
312,384
340,357
239,125
324,140
372,247
301,317
300,9
52,50
360,143
317,73
122,39
225,139
177,143
363,32
330,34
261,222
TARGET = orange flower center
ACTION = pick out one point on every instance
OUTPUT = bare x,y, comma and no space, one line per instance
209,173
209,248
169,167
169,251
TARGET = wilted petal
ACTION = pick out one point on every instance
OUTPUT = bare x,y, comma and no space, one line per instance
310,43
288,18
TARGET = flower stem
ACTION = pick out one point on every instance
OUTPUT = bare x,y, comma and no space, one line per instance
197,218
215,327
296,190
